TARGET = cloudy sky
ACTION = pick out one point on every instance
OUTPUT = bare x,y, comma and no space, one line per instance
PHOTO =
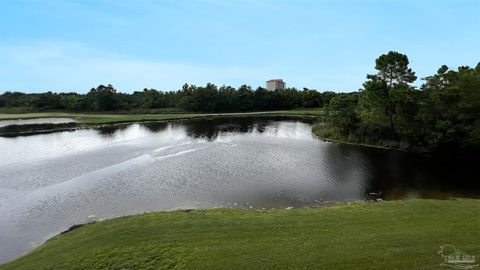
65,45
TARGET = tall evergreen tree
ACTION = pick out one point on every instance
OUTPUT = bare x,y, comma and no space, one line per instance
380,94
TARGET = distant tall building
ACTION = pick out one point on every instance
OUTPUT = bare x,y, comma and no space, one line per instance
273,85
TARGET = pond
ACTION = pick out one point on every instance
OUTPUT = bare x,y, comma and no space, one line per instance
49,182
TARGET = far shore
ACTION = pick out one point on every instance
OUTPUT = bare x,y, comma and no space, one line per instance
95,119
87,120
111,117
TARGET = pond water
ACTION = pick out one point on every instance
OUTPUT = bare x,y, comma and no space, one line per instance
49,182
4,123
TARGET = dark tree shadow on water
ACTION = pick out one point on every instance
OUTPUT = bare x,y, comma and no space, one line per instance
155,127
109,131
209,129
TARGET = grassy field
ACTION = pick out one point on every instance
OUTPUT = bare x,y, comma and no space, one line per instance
105,118
387,235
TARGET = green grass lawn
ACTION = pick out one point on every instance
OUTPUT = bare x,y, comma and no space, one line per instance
387,235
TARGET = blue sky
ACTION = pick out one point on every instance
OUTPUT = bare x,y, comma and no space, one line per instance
66,45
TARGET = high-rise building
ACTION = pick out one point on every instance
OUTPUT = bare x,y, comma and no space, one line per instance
273,85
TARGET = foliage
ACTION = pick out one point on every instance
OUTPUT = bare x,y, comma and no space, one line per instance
384,91
209,98
449,110
104,98
341,111
443,114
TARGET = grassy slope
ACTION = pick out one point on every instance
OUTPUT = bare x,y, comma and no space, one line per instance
103,118
388,235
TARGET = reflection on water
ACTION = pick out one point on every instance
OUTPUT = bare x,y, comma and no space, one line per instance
49,182
4,123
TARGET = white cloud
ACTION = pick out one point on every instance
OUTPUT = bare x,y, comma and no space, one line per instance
60,66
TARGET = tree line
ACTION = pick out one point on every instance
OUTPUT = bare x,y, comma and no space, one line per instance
209,98
444,113
388,110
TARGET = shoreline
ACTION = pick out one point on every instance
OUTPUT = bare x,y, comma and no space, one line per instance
100,120
374,146
113,115
95,120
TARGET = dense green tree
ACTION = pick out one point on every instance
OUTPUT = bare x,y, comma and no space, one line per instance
311,98
104,98
443,115
379,97
17,99
193,98
152,98
226,99
450,110
326,97
206,98
48,100
244,99
74,102
342,112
